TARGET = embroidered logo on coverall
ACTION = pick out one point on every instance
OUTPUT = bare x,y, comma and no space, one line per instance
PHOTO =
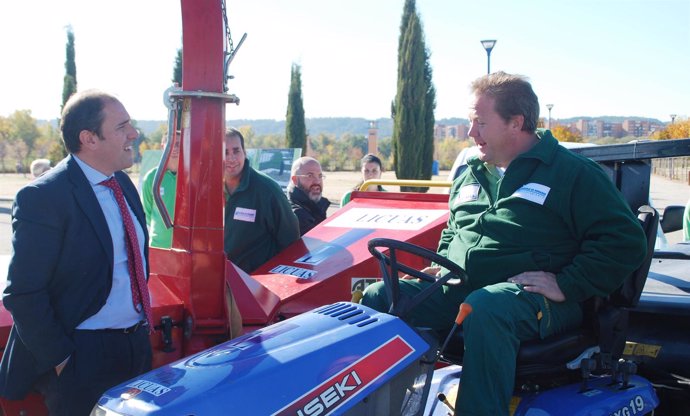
534,192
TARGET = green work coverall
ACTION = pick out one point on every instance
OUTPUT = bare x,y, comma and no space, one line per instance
259,221
551,211
161,236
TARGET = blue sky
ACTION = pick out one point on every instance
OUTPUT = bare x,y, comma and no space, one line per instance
588,58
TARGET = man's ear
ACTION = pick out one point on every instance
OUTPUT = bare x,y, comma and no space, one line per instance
293,178
516,122
87,139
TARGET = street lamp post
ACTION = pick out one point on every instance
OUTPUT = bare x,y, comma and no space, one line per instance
549,107
673,118
488,45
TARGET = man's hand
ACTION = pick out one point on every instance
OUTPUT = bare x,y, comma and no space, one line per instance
433,271
540,282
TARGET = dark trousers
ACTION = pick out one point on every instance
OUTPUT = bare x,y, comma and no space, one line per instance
102,359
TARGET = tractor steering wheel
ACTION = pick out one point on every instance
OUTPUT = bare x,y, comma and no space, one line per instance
401,305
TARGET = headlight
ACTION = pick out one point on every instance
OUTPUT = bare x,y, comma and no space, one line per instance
102,411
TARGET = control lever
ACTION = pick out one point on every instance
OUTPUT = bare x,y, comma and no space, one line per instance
587,365
166,332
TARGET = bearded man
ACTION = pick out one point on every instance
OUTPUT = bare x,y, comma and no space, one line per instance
305,193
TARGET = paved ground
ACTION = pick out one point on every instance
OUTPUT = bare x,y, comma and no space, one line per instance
664,192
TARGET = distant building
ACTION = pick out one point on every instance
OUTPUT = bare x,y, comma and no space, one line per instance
600,128
457,131
640,128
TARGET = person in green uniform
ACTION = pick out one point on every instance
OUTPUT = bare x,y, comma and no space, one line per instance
538,230
372,168
161,236
686,222
259,221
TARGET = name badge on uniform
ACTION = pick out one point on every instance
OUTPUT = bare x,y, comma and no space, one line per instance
244,214
534,192
467,193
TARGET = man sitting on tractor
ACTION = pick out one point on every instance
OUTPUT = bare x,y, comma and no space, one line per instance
538,230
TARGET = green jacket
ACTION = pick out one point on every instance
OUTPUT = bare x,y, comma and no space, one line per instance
161,236
259,221
686,222
555,211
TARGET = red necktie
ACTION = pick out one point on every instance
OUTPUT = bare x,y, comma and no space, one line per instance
140,291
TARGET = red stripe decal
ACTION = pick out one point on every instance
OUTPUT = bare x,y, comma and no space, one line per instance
346,384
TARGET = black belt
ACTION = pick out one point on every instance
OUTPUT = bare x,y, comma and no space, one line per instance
128,330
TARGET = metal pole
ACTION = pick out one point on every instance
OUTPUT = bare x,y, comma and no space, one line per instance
488,45
549,106
488,61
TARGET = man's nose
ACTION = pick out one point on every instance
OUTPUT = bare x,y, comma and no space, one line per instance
133,133
473,131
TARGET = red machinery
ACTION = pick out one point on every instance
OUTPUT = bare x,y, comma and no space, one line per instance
192,284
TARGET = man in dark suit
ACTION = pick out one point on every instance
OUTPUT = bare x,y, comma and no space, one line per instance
75,285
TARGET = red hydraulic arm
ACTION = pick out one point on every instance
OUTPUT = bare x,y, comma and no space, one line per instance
194,269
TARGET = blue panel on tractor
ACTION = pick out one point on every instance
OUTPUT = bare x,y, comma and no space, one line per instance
328,358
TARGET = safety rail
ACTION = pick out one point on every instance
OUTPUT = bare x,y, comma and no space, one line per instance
418,183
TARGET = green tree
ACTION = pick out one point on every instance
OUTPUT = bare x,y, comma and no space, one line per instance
414,103
69,84
177,79
177,70
295,126
4,142
23,134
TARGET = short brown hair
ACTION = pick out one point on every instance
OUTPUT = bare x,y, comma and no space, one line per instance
83,111
513,96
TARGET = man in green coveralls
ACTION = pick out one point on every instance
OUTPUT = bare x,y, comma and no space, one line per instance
538,230
259,221
161,236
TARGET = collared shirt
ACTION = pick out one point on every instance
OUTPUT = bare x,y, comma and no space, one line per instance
118,311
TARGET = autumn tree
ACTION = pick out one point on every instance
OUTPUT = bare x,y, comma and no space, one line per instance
23,134
448,149
414,104
680,129
4,141
295,126
566,134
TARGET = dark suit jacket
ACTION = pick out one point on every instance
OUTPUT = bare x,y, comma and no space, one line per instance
60,272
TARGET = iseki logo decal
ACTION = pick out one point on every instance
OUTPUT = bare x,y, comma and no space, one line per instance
349,382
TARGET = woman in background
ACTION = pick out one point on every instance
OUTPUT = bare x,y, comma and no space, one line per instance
372,168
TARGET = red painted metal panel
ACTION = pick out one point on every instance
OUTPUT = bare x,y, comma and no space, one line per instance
333,259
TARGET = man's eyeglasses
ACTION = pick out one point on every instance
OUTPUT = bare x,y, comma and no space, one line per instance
311,176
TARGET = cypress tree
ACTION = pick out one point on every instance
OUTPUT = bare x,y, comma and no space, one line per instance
69,87
295,126
177,78
177,70
414,104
